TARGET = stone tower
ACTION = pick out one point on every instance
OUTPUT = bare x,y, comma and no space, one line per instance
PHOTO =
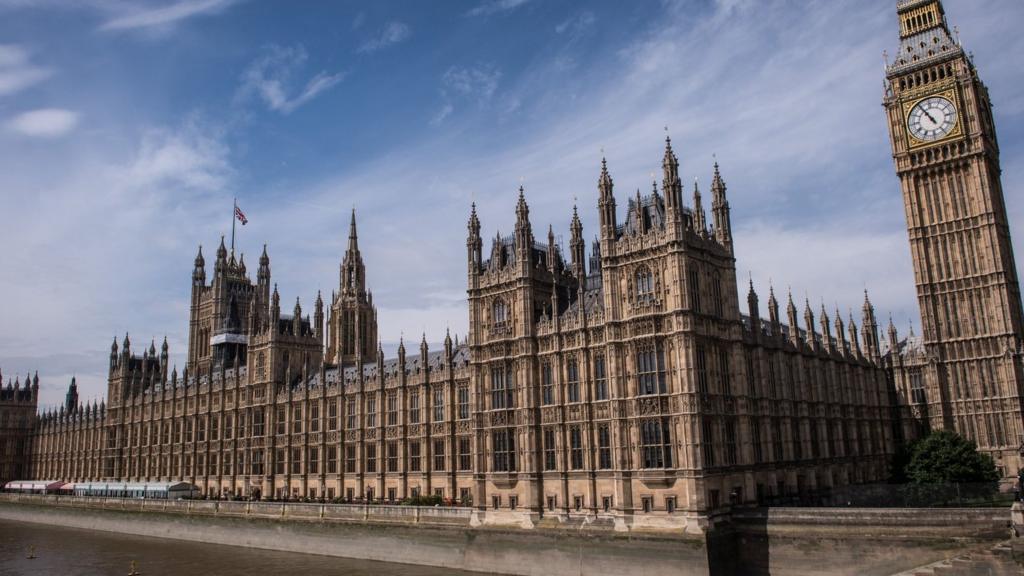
352,337
947,157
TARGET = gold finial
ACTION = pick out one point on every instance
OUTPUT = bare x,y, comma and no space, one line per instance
31,553
132,570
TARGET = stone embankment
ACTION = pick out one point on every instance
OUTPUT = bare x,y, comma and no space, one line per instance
797,541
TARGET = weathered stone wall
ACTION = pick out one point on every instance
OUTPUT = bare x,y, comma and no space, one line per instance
791,541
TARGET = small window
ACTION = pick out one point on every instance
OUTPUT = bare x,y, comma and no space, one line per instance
495,502
644,284
648,504
606,503
500,310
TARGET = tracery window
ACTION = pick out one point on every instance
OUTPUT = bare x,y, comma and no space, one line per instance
655,445
500,310
573,386
650,368
504,450
502,394
644,284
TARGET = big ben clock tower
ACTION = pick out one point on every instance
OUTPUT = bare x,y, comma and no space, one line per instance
947,157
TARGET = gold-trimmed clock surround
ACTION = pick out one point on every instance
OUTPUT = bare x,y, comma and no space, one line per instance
957,131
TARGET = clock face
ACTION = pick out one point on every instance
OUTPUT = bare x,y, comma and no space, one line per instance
932,118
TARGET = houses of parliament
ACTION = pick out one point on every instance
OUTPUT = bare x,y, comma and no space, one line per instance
629,381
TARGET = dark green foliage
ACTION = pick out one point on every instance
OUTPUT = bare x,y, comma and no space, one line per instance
945,458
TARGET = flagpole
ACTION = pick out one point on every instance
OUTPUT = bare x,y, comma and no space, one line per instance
234,211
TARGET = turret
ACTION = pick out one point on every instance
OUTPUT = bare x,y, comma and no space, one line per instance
113,355
297,318
840,333
448,349
71,399
474,244
754,311
794,328
826,331
720,211
523,232
606,203
222,259
275,309
263,280
812,342
869,330
854,340
894,340
199,271
699,222
671,184
578,248
773,313
318,318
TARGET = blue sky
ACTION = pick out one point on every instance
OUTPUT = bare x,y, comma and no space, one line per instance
127,127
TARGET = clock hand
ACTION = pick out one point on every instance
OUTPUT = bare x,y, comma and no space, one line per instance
930,117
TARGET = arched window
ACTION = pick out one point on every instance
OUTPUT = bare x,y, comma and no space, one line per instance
500,311
644,283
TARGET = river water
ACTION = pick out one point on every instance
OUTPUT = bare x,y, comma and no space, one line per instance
74,552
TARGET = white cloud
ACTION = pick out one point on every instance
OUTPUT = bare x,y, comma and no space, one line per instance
166,15
577,25
442,114
392,33
193,156
270,77
44,123
477,83
488,7
16,71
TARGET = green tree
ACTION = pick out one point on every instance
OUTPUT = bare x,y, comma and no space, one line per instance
947,458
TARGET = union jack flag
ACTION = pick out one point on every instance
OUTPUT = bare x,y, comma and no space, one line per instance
241,216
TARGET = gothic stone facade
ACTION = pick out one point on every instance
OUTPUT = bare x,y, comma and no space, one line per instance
965,373
18,404
635,389
629,385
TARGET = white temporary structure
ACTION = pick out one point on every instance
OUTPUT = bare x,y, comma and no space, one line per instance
34,486
164,490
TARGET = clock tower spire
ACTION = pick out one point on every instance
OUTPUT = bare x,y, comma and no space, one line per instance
947,158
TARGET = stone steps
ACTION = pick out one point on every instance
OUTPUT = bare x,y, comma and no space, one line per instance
999,560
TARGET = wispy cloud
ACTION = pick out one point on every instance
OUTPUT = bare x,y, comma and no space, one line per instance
270,77
577,25
488,7
392,33
16,71
44,123
164,16
194,156
476,84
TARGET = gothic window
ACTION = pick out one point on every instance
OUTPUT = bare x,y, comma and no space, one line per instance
701,367
604,447
547,385
261,367
371,457
439,464
296,461
392,456
708,443
463,402
314,419
371,412
257,422
350,414
650,368
439,404
504,450
917,387
573,381
798,444
730,442
332,415
392,409
500,310
655,446
332,460
350,459
755,439
716,295
549,449
600,379
575,448
414,407
313,466
414,456
501,388
644,284
297,420
465,462
694,280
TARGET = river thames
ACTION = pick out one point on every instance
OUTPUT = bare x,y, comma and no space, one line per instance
73,552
